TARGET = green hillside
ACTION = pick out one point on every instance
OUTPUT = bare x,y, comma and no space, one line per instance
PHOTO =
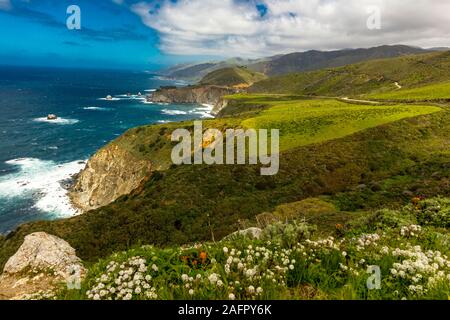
348,168
294,260
307,122
232,77
321,156
316,60
439,91
376,76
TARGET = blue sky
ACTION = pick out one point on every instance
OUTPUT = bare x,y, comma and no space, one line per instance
111,36
149,34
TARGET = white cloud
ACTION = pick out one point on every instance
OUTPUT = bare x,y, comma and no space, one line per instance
232,27
5,5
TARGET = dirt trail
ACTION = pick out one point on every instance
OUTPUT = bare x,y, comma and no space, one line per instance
357,100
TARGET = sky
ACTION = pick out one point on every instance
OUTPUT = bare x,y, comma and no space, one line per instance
137,34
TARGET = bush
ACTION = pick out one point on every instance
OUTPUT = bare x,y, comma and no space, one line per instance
287,235
435,212
392,218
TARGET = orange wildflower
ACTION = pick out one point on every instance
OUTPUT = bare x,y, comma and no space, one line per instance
203,256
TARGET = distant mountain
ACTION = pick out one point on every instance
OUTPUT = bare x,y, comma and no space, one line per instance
375,76
191,71
315,60
235,76
440,49
294,62
195,72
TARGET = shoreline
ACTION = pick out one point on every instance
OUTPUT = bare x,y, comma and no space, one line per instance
48,194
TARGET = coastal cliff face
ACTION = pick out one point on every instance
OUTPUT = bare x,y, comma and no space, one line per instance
219,106
111,173
199,94
114,171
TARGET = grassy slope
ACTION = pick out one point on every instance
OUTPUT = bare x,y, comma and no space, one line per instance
315,269
306,122
369,77
231,77
173,206
439,91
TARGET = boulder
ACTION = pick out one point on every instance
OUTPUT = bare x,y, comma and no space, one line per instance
252,233
43,252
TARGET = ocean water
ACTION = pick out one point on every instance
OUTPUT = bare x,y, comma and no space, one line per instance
38,157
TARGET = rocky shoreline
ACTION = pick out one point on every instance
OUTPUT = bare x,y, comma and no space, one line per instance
209,94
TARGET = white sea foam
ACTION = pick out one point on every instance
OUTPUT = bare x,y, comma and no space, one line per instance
112,99
173,112
62,121
41,180
204,111
164,121
130,97
97,109
150,90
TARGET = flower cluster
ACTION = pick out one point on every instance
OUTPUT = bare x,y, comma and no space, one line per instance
252,268
367,240
411,231
422,270
40,295
126,281
282,261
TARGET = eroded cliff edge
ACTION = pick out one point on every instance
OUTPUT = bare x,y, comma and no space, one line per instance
115,171
111,173
195,94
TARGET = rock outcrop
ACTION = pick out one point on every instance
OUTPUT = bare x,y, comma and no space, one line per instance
111,173
195,94
251,233
41,251
42,262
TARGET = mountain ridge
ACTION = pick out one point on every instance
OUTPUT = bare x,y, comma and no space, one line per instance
293,62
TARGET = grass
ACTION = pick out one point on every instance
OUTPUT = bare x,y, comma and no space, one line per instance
352,171
303,122
232,76
440,91
346,170
376,76
291,261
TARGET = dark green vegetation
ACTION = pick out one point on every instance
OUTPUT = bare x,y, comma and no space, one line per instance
232,77
357,157
378,167
293,259
372,77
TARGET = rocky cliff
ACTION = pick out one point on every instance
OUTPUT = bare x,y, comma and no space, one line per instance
219,106
114,171
111,173
194,94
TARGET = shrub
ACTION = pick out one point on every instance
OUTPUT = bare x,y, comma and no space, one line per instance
435,212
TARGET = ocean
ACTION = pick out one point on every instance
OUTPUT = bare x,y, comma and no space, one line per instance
38,157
